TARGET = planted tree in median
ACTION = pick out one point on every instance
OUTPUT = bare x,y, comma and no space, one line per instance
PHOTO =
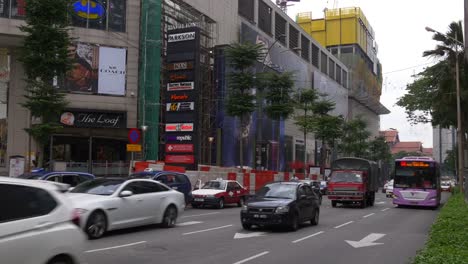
45,59
240,101
305,100
280,104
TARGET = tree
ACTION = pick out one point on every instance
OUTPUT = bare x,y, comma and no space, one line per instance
44,55
379,150
326,127
450,161
355,138
305,100
240,101
280,105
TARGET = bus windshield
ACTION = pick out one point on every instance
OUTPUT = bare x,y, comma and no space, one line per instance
415,178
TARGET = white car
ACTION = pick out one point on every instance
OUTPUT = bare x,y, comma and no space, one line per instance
389,189
116,203
38,224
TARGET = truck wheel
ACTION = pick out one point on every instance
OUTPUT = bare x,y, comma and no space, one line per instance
372,199
363,203
334,204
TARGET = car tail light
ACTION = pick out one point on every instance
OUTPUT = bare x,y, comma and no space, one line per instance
76,218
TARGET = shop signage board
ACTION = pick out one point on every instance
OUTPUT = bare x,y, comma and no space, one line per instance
181,148
177,66
93,119
180,107
181,37
179,138
179,127
133,147
180,86
180,159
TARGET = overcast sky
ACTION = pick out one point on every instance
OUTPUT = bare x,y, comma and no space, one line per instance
399,32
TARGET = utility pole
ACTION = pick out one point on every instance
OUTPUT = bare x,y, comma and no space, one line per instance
466,60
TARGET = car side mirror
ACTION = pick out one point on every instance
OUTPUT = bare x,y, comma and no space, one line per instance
126,194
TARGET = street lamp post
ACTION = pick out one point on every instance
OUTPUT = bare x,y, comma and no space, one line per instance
210,140
459,119
144,128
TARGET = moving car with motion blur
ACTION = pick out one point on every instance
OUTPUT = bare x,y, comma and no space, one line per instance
218,193
106,204
67,177
38,224
281,204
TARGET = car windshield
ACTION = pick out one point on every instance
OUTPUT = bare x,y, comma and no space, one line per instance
282,191
216,185
99,186
31,176
345,176
141,176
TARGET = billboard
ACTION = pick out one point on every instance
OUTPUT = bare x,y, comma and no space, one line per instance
179,127
180,86
112,71
180,107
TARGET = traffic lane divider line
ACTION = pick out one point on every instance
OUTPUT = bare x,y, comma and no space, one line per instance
383,210
252,257
347,223
189,223
368,215
206,230
187,216
115,247
304,238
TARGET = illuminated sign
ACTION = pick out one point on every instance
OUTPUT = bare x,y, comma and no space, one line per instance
181,37
89,9
180,107
180,86
180,76
414,164
179,148
180,66
179,127
179,97
179,138
180,159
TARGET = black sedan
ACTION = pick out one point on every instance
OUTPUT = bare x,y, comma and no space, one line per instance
315,185
282,204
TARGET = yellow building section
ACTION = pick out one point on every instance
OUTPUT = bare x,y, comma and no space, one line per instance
342,26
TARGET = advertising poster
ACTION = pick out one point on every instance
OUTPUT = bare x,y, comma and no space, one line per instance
83,77
111,77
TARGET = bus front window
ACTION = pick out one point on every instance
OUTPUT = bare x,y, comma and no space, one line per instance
415,178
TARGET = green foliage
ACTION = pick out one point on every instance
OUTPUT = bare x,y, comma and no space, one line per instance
280,104
451,160
402,154
379,150
244,55
305,101
240,104
44,55
355,138
328,128
432,96
448,239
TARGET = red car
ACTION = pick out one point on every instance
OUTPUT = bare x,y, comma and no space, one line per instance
218,193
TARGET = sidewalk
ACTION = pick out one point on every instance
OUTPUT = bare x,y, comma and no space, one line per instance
448,239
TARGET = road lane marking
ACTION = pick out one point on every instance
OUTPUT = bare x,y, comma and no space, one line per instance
380,203
189,223
187,216
252,257
121,246
383,210
304,238
206,230
344,224
368,215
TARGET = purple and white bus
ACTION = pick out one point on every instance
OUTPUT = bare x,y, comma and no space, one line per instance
416,182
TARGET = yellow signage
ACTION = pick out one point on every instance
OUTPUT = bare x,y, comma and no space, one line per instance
133,147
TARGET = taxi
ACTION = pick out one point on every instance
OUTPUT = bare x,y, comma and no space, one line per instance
218,193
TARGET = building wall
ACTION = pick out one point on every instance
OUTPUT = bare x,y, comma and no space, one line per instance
373,121
10,37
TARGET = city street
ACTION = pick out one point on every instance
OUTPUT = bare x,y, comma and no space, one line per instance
378,234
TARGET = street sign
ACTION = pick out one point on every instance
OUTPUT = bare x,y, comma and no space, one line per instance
133,147
179,147
134,136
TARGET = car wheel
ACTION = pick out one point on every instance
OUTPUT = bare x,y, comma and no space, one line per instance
170,217
334,204
241,202
294,226
246,226
96,225
60,260
220,203
315,219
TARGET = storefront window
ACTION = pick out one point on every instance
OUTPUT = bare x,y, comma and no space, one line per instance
18,9
4,8
4,82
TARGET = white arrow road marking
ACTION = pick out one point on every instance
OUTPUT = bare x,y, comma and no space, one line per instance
367,241
380,203
189,223
252,257
121,246
304,238
206,230
248,235
347,223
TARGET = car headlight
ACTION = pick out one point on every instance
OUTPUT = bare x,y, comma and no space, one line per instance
80,211
245,208
282,209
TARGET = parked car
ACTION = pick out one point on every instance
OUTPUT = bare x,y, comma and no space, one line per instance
218,193
67,177
175,180
446,186
389,189
38,224
323,187
106,204
281,203
384,189
315,185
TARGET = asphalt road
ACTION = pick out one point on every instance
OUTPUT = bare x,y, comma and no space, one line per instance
381,234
